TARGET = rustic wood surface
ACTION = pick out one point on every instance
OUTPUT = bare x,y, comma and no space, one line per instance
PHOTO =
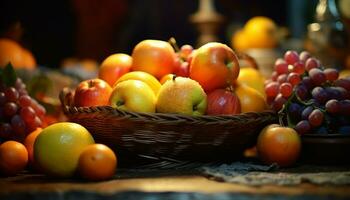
31,185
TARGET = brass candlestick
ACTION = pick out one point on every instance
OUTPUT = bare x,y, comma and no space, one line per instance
207,21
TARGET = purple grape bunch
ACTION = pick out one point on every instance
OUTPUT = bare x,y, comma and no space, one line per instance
311,98
20,114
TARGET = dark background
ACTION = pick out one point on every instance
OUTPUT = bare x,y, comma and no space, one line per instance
57,29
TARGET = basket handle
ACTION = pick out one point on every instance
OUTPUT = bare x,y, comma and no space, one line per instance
248,59
66,97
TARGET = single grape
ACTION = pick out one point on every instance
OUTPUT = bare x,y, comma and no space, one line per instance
293,78
281,68
302,127
306,112
277,104
304,55
320,95
343,82
18,126
185,51
272,89
299,67
10,109
307,82
316,118
311,63
35,123
332,106
282,78
25,100
11,94
39,110
331,74
291,57
302,92
27,113
19,84
286,89
317,76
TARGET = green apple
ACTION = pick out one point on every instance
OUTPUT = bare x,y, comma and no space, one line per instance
183,96
133,95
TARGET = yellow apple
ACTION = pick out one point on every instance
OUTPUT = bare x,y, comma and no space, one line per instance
141,76
183,96
133,95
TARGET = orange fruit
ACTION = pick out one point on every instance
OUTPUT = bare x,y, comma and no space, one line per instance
28,60
277,144
29,143
166,78
261,32
97,162
251,100
10,51
58,147
114,66
13,157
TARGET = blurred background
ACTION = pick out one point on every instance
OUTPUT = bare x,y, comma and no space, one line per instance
56,30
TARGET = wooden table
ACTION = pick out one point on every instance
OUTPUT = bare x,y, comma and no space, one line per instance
191,186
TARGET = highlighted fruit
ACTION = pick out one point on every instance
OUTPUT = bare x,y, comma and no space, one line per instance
251,100
97,162
114,66
182,96
58,147
13,158
277,144
133,95
92,92
214,65
155,57
252,78
141,76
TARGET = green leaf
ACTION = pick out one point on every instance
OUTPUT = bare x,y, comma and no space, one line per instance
8,75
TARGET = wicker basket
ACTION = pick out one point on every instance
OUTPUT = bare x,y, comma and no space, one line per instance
169,136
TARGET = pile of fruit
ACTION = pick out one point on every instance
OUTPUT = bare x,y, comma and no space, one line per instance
310,97
159,77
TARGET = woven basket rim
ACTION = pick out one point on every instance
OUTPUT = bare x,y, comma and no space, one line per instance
67,94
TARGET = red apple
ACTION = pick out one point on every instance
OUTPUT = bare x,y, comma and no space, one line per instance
214,65
223,102
92,92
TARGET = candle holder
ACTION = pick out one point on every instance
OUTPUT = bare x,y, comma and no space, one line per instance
207,22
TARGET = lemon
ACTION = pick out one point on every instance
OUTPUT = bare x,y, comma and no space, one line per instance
253,78
58,147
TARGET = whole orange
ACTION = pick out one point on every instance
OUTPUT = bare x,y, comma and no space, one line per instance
10,51
97,162
277,144
29,143
114,66
13,158
155,57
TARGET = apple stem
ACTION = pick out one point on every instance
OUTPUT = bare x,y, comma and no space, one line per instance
91,83
174,77
173,43
120,103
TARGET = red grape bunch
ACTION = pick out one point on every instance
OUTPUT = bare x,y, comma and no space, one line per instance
311,97
19,113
